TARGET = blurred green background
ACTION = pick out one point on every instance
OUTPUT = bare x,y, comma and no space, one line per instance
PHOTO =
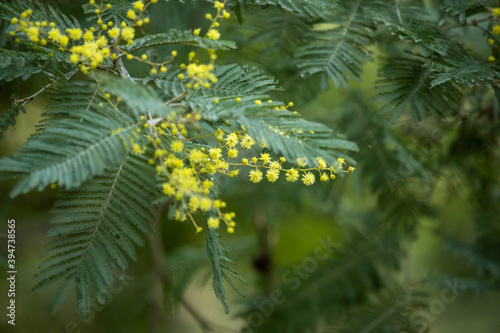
460,154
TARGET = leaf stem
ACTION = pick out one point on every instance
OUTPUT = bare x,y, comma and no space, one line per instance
28,99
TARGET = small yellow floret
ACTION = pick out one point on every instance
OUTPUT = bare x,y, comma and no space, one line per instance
292,175
213,222
131,14
308,179
128,33
272,175
205,204
64,41
75,34
213,34
139,5
177,146
255,175
167,189
114,32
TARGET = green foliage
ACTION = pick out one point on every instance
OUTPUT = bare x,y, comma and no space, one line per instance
88,152
9,118
337,47
23,65
175,36
220,267
407,82
96,228
422,133
388,311
309,9
233,81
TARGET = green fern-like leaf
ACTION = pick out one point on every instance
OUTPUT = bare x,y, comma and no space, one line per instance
274,37
94,133
283,131
461,69
220,267
232,81
406,82
310,9
390,310
337,48
23,65
96,227
9,118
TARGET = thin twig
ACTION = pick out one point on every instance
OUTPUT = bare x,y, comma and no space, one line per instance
177,98
473,23
121,68
28,99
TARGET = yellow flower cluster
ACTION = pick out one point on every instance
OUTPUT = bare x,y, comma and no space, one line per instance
89,48
187,170
200,75
275,168
495,30
212,32
187,173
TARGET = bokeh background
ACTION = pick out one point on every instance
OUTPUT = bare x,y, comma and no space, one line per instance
437,178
